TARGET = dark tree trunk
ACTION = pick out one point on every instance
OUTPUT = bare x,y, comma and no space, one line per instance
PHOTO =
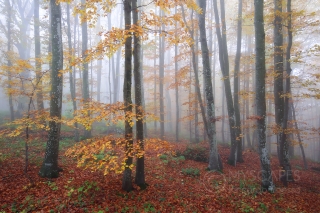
140,177
283,114
266,173
49,168
214,159
278,74
127,174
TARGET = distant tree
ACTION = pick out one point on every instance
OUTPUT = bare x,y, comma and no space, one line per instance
50,167
37,49
85,67
236,85
71,78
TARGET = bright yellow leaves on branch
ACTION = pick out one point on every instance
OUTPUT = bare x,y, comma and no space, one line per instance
108,155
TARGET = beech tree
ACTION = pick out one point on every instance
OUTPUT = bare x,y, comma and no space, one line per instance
140,178
126,180
214,162
50,167
266,175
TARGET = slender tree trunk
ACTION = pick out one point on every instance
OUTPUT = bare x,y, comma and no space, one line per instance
176,64
236,85
71,80
49,167
9,20
214,160
126,179
85,68
99,69
39,94
224,63
196,120
299,137
161,78
155,80
284,144
266,173
278,76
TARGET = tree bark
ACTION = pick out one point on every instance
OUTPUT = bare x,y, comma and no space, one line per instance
140,177
266,182
49,167
126,179
278,74
214,159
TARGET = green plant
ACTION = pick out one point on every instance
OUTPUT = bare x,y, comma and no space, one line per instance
191,172
52,186
263,207
149,207
171,160
246,207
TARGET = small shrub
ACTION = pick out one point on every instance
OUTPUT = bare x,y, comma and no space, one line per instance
191,172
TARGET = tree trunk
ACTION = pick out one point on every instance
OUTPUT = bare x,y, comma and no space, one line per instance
49,168
161,77
236,85
117,82
196,120
140,178
224,64
71,80
39,94
126,179
284,143
9,64
299,137
266,173
85,68
278,74
176,83
214,159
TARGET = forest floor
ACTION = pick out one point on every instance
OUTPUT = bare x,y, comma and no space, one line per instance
175,185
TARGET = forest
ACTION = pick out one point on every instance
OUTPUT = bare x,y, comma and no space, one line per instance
159,106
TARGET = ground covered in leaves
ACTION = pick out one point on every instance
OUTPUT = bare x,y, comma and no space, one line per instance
176,184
